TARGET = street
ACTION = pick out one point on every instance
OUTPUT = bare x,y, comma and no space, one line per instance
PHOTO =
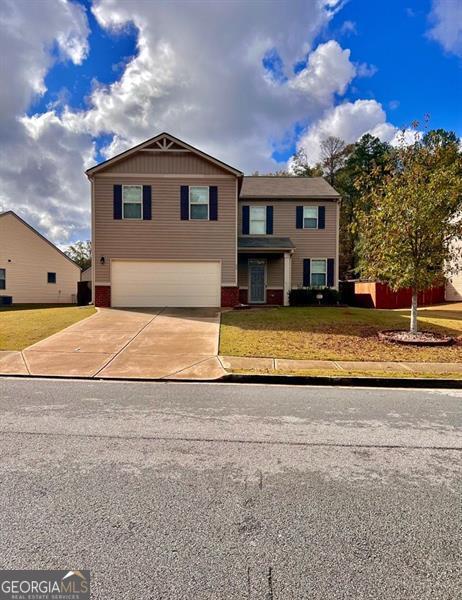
221,491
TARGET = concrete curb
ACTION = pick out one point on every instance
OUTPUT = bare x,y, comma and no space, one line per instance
401,382
298,380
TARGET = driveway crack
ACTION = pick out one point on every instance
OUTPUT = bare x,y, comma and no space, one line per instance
106,364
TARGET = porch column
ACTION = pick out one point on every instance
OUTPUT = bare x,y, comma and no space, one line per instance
287,276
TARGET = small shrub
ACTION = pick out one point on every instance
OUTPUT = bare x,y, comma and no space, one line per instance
307,296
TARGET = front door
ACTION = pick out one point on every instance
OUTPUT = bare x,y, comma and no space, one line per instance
257,278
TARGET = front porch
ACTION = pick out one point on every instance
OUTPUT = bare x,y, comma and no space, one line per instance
264,270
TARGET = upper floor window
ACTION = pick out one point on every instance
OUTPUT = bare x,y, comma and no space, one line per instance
132,201
257,220
318,272
51,277
310,217
2,279
199,203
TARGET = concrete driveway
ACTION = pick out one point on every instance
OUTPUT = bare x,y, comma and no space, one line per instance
133,343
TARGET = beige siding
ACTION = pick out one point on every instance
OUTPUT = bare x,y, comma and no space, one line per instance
166,236
86,275
166,164
453,290
27,259
309,243
274,270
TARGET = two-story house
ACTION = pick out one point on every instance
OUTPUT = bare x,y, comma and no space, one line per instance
173,226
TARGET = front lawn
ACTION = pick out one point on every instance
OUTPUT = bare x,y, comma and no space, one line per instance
322,333
24,324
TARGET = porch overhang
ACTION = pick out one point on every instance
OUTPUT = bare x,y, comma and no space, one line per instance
265,244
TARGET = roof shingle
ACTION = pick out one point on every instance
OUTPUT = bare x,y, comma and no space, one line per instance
257,186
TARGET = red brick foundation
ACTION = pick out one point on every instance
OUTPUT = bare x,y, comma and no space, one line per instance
275,297
103,295
229,296
243,296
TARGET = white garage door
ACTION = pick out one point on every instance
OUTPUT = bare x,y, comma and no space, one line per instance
165,283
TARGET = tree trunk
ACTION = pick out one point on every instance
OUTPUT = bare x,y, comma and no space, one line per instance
413,327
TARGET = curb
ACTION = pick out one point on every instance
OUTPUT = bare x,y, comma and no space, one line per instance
298,380
383,382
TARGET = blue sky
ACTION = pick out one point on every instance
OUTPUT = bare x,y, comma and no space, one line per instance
412,69
412,75
243,82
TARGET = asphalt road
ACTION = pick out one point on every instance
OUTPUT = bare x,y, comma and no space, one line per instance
213,491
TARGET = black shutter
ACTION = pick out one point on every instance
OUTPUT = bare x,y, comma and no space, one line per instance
245,220
330,272
184,203
213,203
117,199
321,217
269,220
147,204
299,217
306,272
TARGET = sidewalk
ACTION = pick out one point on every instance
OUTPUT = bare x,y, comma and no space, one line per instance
267,365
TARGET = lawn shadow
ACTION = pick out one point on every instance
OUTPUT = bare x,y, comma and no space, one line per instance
17,307
340,321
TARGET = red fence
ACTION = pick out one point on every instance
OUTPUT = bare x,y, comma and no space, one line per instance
370,294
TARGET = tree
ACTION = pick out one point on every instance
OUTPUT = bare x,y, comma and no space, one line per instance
80,253
301,167
366,156
407,237
333,155
441,138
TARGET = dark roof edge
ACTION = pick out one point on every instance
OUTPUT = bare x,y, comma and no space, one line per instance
292,197
11,212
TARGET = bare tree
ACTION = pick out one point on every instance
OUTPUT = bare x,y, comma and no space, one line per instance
301,167
333,155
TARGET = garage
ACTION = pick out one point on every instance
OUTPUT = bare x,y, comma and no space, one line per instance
143,283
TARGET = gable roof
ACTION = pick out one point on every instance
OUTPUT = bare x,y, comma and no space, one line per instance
13,214
258,186
179,144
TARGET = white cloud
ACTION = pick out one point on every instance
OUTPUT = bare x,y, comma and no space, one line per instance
198,73
40,165
446,17
365,70
348,28
348,121
208,89
328,71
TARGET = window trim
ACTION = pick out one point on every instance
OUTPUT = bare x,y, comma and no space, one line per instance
123,202
3,278
195,187
311,273
264,208
317,216
48,277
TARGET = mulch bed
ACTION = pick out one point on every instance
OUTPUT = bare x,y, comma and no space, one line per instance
422,338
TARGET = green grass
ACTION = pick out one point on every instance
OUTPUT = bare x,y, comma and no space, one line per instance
351,373
322,333
24,324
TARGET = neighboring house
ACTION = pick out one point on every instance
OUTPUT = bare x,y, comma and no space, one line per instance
86,274
173,226
32,269
454,283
